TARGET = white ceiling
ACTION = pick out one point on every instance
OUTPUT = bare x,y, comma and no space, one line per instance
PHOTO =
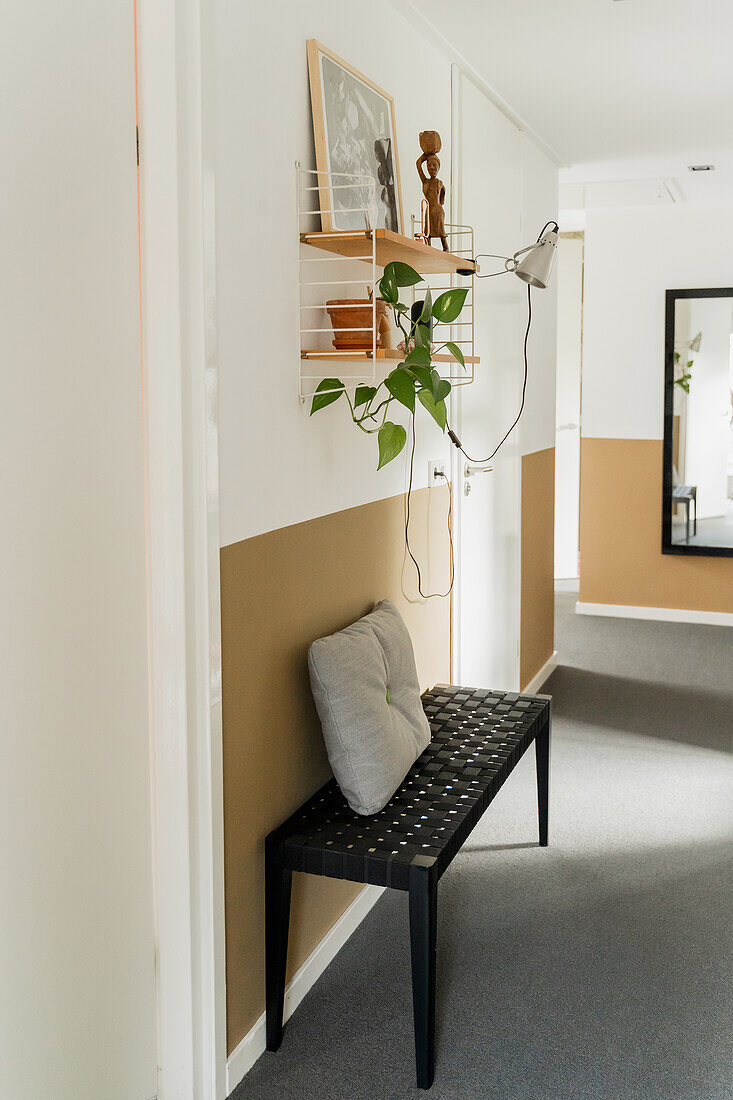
604,80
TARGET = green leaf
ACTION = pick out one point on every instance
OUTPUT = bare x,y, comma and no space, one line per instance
421,336
423,376
419,357
436,409
402,386
689,363
392,438
456,353
327,391
442,390
388,288
676,357
439,387
449,305
403,274
363,395
427,305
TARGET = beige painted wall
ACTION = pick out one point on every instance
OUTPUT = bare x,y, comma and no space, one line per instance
284,585
537,629
281,590
621,561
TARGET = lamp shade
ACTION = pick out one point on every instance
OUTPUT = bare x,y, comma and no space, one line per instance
535,267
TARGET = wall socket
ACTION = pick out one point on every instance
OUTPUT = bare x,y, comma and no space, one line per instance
436,472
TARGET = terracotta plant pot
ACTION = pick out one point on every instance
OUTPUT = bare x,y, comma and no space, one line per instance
356,313
430,142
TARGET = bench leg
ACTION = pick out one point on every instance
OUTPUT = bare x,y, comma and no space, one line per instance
277,919
423,891
542,752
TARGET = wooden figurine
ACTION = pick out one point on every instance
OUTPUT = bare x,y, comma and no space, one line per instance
432,188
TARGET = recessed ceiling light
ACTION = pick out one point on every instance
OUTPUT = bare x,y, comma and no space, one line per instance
701,167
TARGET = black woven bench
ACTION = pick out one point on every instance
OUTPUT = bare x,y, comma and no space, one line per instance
478,738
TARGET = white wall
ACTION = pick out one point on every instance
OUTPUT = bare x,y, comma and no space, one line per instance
77,1006
631,257
278,466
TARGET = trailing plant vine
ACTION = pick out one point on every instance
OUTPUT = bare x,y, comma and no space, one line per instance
683,370
415,378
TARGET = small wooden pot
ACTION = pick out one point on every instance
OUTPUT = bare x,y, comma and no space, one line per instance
356,313
430,142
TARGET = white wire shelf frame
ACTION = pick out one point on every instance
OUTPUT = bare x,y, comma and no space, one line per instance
326,276
462,331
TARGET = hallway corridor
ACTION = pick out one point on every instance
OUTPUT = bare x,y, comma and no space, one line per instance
600,968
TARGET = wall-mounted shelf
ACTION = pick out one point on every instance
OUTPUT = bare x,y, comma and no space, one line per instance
344,266
391,247
381,353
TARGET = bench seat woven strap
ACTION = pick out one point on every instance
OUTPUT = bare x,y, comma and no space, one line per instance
478,736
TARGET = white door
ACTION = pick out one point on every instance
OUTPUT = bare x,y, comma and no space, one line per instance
567,407
77,944
486,634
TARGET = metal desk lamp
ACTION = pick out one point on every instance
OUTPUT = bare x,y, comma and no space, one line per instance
536,267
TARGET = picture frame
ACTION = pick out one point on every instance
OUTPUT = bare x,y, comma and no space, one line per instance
354,135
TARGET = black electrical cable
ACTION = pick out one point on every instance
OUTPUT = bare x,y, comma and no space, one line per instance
452,435
479,461
428,595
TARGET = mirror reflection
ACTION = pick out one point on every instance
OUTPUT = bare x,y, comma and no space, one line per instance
698,449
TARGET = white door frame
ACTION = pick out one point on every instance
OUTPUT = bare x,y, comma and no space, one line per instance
456,395
179,383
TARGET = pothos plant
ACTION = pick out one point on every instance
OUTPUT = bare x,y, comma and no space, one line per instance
415,377
683,371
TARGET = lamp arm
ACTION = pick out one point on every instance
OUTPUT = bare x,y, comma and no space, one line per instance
511,262
493,256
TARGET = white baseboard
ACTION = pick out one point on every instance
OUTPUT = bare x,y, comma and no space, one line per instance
539,678
657,614
244,1056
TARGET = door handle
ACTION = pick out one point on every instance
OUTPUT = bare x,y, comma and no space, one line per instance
469,470
565,427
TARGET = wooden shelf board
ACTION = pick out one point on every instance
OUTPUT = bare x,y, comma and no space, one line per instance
382,353
389,247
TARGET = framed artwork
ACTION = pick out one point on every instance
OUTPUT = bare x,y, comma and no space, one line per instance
354,133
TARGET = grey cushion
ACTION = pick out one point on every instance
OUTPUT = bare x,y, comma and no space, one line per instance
367,695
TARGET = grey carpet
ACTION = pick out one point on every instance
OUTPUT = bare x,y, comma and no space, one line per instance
601,967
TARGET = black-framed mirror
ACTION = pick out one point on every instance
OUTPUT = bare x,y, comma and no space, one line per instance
697,480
